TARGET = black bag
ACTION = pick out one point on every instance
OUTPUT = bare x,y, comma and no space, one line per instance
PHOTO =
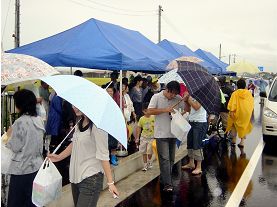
263,94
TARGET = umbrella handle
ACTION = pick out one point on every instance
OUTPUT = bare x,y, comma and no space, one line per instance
58,147
108,85
178,103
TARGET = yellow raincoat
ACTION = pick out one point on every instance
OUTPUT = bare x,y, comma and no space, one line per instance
242,104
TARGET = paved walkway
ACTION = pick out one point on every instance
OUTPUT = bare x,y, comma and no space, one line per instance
135,181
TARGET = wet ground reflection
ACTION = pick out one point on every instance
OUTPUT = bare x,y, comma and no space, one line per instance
223,167
222,170
265,179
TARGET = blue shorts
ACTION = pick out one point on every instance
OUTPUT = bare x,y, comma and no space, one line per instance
196,135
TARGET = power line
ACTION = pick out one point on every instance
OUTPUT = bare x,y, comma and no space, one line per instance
109,11
173,27
6,20
128,10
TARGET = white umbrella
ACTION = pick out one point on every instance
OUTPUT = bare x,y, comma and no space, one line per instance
93,101
170,76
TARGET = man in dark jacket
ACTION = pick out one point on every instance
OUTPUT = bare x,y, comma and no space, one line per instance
227,91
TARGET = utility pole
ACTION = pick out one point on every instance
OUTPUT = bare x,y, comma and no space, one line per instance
234,58
229,59
220,51
16,34
159,23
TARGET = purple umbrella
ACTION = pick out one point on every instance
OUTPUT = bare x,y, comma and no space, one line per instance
260,83
201,85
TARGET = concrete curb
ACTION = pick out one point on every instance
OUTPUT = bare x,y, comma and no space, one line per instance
128,177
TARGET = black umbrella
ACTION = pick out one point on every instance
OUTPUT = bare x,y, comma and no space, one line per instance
201,85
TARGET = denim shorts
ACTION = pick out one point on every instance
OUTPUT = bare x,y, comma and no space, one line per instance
196,135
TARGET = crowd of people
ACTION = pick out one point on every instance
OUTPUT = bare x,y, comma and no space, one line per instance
90,150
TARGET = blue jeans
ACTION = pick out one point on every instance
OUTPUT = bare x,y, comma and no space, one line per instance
166,153
87,192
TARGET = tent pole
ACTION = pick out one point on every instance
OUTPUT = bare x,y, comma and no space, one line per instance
121,98
121,108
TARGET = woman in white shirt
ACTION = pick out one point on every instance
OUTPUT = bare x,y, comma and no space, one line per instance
89,160
199,127
128,103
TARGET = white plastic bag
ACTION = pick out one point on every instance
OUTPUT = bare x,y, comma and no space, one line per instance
6,155
179,126
47,185
127,114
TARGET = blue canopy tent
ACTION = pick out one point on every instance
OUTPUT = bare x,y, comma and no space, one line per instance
209,57
178,50
99,45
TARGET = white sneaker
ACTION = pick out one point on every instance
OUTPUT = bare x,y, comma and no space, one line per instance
150,165
145,168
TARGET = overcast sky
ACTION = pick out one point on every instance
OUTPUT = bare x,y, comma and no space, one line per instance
247,28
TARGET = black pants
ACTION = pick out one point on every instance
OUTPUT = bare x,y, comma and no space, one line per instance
20,190
138,109
263,94
112,142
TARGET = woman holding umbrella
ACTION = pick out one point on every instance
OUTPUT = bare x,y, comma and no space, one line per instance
199,126
89,160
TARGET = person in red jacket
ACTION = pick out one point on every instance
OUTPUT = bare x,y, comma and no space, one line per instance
251,87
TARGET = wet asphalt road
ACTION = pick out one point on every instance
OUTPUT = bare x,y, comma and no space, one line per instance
222,169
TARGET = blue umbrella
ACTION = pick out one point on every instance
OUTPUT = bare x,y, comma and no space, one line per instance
93,101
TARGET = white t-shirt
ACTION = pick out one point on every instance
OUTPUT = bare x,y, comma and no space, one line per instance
162,125
198,116
89,148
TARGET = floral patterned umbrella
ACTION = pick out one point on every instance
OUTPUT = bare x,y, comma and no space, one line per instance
16,68
173,68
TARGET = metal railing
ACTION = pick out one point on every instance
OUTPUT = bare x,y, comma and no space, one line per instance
7,108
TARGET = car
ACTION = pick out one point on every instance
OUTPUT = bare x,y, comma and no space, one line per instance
269,120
